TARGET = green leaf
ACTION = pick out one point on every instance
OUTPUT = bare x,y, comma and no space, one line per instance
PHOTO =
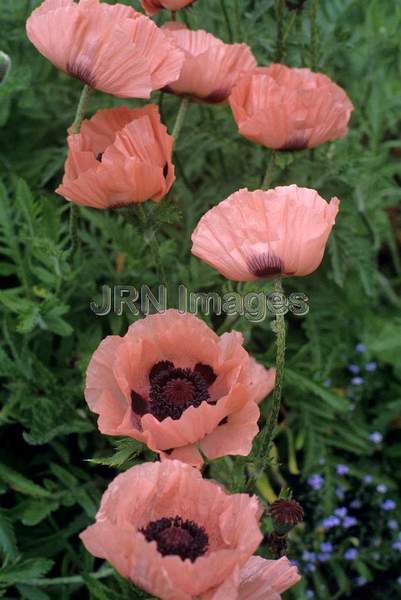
21,484
333,401
8,542
127,450
35,511
28,569
29,592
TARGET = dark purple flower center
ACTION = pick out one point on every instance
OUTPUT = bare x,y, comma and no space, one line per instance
173,390
158,368
265,265
298,141
82,73
217,96
174,536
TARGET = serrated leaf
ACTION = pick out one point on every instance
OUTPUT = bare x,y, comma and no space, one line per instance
8,542
35,511
22,571
127,450
21,484
334,401
31,593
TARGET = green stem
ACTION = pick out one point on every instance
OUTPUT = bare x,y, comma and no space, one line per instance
269,171
280,363
240,34
180,118
227,20
73,580
154,244
73,227
268,433
288,29
280,7
81,109
161,99
313,35
75,128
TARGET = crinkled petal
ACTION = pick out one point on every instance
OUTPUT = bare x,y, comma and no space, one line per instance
262,579
259,234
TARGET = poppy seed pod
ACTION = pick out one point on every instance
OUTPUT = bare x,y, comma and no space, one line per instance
285,514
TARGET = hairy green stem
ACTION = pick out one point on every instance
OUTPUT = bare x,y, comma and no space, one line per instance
238,20
81,109
280,7
267,435
180,118
73,228
313,35
269,171
278,385
227,20
288,29
75,128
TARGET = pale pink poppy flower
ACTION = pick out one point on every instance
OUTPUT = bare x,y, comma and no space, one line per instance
253,235
175,385
289,109
112,48
154,6
180,537
119,157
211,67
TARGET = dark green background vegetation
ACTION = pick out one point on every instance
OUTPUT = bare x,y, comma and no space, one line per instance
48,493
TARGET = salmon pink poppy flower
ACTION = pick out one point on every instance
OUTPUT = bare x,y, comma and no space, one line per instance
120,157
112,48
211,67
153,6
254,235
175,385
178,536
289,109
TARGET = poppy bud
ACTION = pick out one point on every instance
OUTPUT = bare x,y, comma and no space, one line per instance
285,514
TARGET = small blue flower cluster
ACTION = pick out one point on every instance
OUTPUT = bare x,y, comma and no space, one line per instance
351,554
315,481
342,469
340,517
311,558
356,370
388,505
